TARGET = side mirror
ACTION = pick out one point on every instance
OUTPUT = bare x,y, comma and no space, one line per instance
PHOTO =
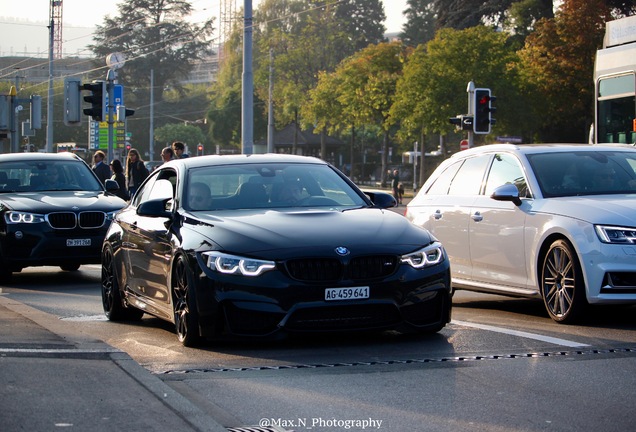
507,192
155,208
381,199
111,185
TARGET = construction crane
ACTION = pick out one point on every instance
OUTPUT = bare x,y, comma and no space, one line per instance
56,23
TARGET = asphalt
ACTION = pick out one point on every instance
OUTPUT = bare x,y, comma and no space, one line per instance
54,376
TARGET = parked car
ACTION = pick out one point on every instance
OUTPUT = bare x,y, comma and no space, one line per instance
265,245
53,211
556,222
152,165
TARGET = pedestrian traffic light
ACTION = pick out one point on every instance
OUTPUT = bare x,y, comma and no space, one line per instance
482,111
200,150
99,107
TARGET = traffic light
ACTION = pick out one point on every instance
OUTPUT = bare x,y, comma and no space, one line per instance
123,113
462,122
72,101
483,111
200,150
97,99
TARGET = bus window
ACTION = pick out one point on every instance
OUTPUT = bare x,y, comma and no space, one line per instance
616,109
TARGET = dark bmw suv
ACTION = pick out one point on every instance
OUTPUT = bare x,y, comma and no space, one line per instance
53,211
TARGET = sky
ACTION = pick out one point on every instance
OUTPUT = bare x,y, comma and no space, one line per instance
23,22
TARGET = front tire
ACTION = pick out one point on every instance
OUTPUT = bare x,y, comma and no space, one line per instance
184,303
562,286
112,301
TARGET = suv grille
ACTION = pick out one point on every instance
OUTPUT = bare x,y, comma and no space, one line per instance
69,220
332,269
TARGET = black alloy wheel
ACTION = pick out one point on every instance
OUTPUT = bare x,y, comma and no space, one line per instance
111,295
184,304
561,282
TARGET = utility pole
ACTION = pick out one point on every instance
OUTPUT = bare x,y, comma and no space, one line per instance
247,123
270,116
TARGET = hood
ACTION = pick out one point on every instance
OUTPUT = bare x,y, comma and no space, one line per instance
47,202
314,232
598,209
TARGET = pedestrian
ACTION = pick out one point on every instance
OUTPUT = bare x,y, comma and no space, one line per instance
118,175
100,168
167,154
179,148
400,192
395,180
136,171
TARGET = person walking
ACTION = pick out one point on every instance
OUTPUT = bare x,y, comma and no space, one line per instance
179,148
118,175
395,181
136,171
100,168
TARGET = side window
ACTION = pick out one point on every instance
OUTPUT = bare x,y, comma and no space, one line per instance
469,178
144,192
442,184
505,169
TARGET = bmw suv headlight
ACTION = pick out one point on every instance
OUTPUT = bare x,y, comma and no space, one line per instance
232,264
616,235
428,256
14,217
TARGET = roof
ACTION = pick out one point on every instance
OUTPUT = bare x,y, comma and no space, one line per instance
543,148
11,157
199,161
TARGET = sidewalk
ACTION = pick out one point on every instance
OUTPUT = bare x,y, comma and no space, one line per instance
52,376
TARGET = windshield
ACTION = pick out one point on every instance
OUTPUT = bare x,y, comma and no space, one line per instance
585,173
49,175
268,186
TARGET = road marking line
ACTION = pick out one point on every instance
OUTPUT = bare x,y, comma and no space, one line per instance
535,336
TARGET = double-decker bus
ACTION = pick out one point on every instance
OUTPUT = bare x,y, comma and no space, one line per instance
615,84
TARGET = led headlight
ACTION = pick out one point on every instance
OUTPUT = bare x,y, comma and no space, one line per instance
428,256
232,264
616,235
14,217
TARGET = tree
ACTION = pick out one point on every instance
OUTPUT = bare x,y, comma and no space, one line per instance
420,22
190,135
361,21
557,66
154,35
367,88
433,84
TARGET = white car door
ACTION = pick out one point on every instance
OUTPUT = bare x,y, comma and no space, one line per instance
497,230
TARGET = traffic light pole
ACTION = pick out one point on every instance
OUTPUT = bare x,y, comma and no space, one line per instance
470,89
110,116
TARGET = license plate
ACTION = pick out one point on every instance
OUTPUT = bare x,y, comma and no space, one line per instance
78,242
346,293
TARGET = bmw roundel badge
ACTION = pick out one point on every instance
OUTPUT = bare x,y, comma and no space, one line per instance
342,251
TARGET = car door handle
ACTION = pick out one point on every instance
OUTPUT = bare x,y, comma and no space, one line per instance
437,215
477,217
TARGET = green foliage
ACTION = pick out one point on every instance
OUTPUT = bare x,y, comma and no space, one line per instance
420,22
190,135
557,66
433,86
